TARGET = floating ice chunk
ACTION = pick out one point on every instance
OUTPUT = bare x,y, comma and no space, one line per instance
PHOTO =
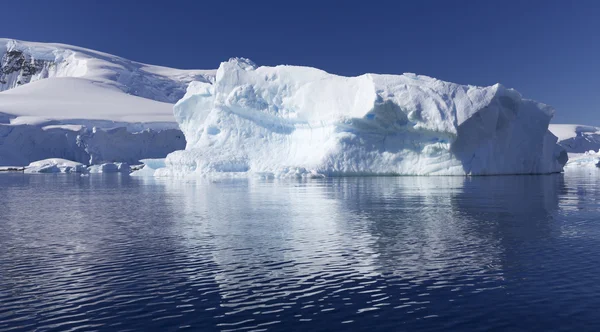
150,166
587,159
110,168
55,165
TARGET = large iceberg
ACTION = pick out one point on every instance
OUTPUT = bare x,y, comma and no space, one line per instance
298,121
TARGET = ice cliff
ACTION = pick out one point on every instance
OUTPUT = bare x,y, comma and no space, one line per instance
298,121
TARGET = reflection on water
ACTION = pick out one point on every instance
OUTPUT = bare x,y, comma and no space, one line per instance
394,253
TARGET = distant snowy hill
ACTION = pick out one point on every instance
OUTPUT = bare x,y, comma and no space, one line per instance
53,95
581,142
577,138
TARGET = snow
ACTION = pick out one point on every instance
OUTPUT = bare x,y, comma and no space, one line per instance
64,101
577,139
11,168
65,127
77,101
60,60
303,122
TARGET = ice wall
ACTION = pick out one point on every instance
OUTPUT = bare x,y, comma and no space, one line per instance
23,144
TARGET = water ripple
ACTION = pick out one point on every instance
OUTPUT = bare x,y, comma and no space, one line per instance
117,253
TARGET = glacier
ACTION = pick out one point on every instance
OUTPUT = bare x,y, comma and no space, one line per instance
63,101
291,121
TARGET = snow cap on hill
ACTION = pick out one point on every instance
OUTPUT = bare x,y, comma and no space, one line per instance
43,82
299,121
577,138
64,101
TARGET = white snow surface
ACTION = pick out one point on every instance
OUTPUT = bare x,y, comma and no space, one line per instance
76,101
303,122
57,100
49,60
42,82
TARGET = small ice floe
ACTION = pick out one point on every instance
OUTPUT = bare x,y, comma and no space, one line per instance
149,166
11,169
58,165
55,165
110,168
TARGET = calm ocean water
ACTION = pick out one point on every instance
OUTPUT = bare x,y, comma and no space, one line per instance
111,252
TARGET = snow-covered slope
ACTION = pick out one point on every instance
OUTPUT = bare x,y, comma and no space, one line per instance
69,100
577,138
53,95
286,120
24,62
581,142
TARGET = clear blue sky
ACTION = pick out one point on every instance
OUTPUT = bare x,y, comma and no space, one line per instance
548,50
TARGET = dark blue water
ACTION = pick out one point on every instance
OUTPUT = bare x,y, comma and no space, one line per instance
426,253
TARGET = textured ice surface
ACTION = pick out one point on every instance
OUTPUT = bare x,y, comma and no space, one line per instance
109,168
22,144
55,165
303,122
150,166
58,165
587,159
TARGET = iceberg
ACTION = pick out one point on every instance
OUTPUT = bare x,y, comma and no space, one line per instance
587,159
304,122
109,168
59,165
55,165
149,167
